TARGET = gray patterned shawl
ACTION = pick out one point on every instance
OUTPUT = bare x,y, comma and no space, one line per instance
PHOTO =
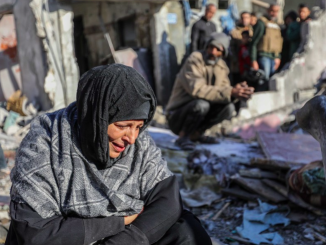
54,178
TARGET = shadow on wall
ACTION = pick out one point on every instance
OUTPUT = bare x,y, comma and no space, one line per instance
169,67
10,80
8,83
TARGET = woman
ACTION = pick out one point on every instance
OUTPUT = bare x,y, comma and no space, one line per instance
90,173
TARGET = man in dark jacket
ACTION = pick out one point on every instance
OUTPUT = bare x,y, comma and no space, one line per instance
202,29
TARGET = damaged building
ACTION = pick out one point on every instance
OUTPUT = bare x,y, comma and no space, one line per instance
44,53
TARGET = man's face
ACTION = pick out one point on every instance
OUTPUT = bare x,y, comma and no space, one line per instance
245,39
213,52
245,19
210,12
253,20
304,13
273,12
288,21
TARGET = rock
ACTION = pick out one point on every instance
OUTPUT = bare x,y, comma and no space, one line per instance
238,215
3,114
3,234
4,215
215,241
308,230
319,243
12,130
310,237
211,226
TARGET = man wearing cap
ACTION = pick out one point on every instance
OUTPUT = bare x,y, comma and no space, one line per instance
202,95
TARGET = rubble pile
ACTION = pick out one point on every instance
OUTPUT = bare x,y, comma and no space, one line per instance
267,191
15,116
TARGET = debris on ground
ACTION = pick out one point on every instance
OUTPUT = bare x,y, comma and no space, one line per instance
260,219
242,191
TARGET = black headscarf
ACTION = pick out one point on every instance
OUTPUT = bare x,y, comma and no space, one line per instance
108,94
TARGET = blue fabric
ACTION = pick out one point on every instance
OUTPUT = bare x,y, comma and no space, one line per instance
228,21
187,11
267,65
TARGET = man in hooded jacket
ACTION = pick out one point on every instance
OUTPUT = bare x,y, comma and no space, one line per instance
202,95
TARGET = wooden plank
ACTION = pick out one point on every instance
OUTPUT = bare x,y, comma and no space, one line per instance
259,174
258,187
242,194
276,186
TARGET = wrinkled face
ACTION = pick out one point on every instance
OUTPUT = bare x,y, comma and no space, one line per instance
214,52
121,134
273,12
304,13
245,19
210,12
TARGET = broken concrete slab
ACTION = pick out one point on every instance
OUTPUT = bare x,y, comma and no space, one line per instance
287,150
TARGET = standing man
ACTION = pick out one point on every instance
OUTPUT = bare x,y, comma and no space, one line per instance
267,41
202,95
202,29
304,15
236,42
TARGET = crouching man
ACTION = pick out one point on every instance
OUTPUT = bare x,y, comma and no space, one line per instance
202,95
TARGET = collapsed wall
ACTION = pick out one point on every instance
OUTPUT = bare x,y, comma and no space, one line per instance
54,25
38,53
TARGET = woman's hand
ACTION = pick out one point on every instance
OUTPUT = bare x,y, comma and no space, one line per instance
130,219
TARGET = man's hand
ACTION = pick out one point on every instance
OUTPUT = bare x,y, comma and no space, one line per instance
130,219
277,63
242,91
255,65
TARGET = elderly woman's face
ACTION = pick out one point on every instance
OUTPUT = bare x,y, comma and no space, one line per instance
121,134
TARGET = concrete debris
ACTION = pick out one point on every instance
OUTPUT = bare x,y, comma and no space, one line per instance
199,197
207,163
260,219
19,103
222,204
54,24
10,120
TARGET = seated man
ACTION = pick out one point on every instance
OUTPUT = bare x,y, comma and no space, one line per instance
202,95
